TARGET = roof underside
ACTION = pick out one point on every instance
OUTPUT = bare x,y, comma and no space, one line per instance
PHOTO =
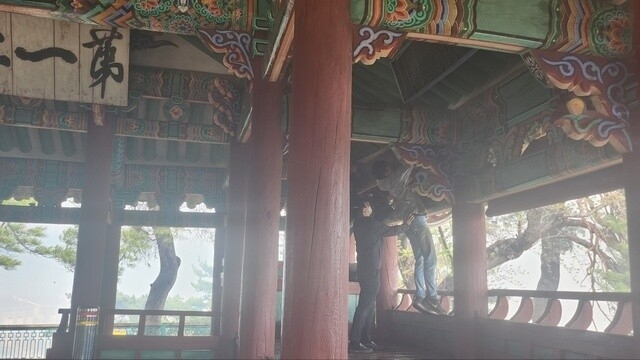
437,78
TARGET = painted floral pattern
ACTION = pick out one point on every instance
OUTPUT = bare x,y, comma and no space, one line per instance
148,4
611,32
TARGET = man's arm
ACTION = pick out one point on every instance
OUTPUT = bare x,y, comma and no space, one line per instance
396,229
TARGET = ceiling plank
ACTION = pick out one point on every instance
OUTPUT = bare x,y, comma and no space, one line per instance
444,74
496,80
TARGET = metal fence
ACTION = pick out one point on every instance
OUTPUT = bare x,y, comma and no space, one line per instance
32,341
26,341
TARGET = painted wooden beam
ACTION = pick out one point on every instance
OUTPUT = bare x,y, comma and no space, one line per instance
149,129
539,168
503,25
39,215
137,178
71,216
191,133
600,181
169,218
179,19
280,48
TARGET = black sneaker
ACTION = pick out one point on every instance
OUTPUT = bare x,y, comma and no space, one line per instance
372,345
432,306
358,348
419,305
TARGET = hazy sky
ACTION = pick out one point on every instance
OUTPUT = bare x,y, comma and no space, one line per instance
43,281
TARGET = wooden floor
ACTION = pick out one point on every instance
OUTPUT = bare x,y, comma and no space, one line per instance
396,352
389,352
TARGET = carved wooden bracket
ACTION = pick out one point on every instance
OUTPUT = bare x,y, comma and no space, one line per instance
433,169
602,80
371,44
236,49
181,87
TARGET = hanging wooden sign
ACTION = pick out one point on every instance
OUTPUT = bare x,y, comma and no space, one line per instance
55,60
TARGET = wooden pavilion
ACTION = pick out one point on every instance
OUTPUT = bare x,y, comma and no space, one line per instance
254,105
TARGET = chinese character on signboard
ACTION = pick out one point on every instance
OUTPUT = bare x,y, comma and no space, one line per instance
48,59
104,65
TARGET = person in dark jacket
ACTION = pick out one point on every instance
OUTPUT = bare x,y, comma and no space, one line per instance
369,233
397,181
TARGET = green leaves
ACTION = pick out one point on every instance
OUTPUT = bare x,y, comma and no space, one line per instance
20,239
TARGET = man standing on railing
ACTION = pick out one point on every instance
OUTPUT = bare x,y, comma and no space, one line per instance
369,233
397,181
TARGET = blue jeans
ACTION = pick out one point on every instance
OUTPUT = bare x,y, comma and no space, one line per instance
424,254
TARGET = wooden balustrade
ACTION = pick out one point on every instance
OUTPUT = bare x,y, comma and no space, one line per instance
176,342
582,318
407,300
143,316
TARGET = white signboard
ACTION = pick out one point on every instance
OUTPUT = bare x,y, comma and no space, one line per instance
47,59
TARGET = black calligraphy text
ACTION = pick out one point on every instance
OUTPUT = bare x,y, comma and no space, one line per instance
103,64
39,55
4,60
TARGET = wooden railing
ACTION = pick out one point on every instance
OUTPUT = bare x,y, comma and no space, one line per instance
147,328
582,319
151,333
446,300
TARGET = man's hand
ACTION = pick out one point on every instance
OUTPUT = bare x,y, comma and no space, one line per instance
366,210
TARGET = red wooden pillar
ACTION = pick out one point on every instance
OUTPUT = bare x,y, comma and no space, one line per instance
631,166
260,268
234,248
469,274
92,232
316,259
110,276
352,249
388,294
216,288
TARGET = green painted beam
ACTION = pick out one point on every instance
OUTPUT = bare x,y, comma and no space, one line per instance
526,24
505,25
193,151
131,148
22,140
68,143
379,125
219,154
46,141
149,149
6,138
173,151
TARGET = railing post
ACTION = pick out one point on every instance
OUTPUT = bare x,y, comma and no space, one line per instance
86,331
